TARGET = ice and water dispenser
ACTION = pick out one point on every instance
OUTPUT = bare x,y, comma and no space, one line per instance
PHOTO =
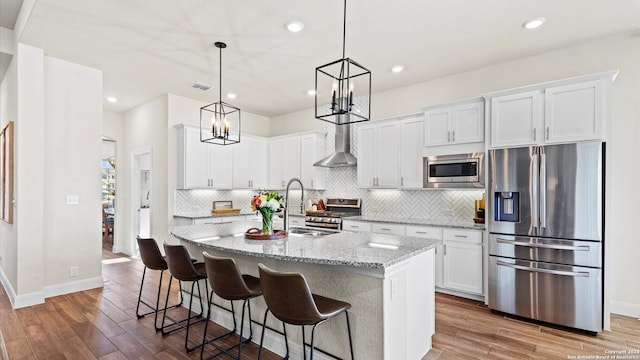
507,206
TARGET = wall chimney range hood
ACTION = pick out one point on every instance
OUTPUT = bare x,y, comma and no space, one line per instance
342,157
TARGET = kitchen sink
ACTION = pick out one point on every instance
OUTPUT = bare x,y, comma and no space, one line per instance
310,231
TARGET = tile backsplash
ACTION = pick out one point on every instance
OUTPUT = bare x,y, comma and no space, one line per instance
456,205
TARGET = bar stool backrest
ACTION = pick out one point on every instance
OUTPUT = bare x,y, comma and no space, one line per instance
150,254
180,264
225,278
288,296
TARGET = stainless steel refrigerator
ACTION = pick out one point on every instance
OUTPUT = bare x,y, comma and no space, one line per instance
546,225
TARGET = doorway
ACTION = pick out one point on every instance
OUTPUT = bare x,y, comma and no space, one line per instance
108,183
142,196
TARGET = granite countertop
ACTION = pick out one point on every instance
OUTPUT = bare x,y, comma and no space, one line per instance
202,216
421,222
359,250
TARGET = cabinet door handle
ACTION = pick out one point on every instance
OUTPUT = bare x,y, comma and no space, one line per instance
448,136
436,248
547,133
461,236
385,229
444,247
453,136
311,182
534,134
354,226
401,181
421,232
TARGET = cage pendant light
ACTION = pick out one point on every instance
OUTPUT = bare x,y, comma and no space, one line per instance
343,88
220,121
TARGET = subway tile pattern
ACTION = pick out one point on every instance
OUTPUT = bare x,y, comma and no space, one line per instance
454,205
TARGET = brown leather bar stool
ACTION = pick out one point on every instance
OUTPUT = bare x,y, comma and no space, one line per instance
183,269
289,299
153,260
228,283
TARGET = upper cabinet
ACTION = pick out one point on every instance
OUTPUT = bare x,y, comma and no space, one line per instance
250,163
378,146
459,122
557,112
293,156
202,165
411,132
313,148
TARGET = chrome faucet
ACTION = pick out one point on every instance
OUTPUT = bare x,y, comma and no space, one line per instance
286,200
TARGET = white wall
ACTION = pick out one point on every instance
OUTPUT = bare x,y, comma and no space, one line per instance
8,232
620,52
57,109
73,152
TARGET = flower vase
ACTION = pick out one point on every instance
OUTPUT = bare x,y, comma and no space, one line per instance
267,223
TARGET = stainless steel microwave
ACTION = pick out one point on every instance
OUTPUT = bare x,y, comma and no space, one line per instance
454,171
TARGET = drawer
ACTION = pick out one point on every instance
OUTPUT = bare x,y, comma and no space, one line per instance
353,225
296,221
461,235
424,232
206,220
386,228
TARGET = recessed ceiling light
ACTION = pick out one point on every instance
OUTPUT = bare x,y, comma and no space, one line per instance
311,92
112,99
231,95
534,23
294,26
397,68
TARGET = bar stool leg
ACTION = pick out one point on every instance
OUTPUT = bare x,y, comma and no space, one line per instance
286,341
264,326
304,345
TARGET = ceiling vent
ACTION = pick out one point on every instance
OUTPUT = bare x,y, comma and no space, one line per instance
200,86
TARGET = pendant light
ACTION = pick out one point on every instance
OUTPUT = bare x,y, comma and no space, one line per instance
220,121
343,88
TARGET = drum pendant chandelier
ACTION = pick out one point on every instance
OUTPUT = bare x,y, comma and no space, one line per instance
343,88
219,121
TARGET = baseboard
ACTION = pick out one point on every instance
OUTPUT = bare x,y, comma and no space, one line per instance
20,301
73,286
624,308
120,250
273,341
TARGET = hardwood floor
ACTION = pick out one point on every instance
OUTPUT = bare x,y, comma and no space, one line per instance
101,324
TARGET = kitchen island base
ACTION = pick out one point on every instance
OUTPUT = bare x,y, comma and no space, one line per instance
392,314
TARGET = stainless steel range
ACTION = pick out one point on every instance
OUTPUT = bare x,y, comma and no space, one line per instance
331,218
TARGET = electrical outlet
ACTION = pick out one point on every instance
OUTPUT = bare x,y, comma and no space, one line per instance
73,271
448,212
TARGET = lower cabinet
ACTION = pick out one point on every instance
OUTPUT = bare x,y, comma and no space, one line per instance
459,264
354,225
387,228
462,261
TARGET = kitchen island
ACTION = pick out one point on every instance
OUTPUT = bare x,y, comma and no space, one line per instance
388,280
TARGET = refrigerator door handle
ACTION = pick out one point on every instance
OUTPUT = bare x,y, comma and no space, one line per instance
535,178
544,246
543,190
546,271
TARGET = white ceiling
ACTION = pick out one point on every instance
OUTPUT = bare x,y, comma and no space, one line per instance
148,48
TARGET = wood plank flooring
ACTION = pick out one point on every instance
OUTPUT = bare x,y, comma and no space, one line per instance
101,324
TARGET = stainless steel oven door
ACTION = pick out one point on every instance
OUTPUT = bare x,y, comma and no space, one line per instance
559,294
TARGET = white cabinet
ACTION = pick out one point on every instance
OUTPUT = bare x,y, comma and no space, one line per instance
354,225
378,145
296,220
516,119
411,136
284,161
313,147
387,228
574,112
217,219
557,112
462,260
428,232
202,165
250,163
461,122
293,156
